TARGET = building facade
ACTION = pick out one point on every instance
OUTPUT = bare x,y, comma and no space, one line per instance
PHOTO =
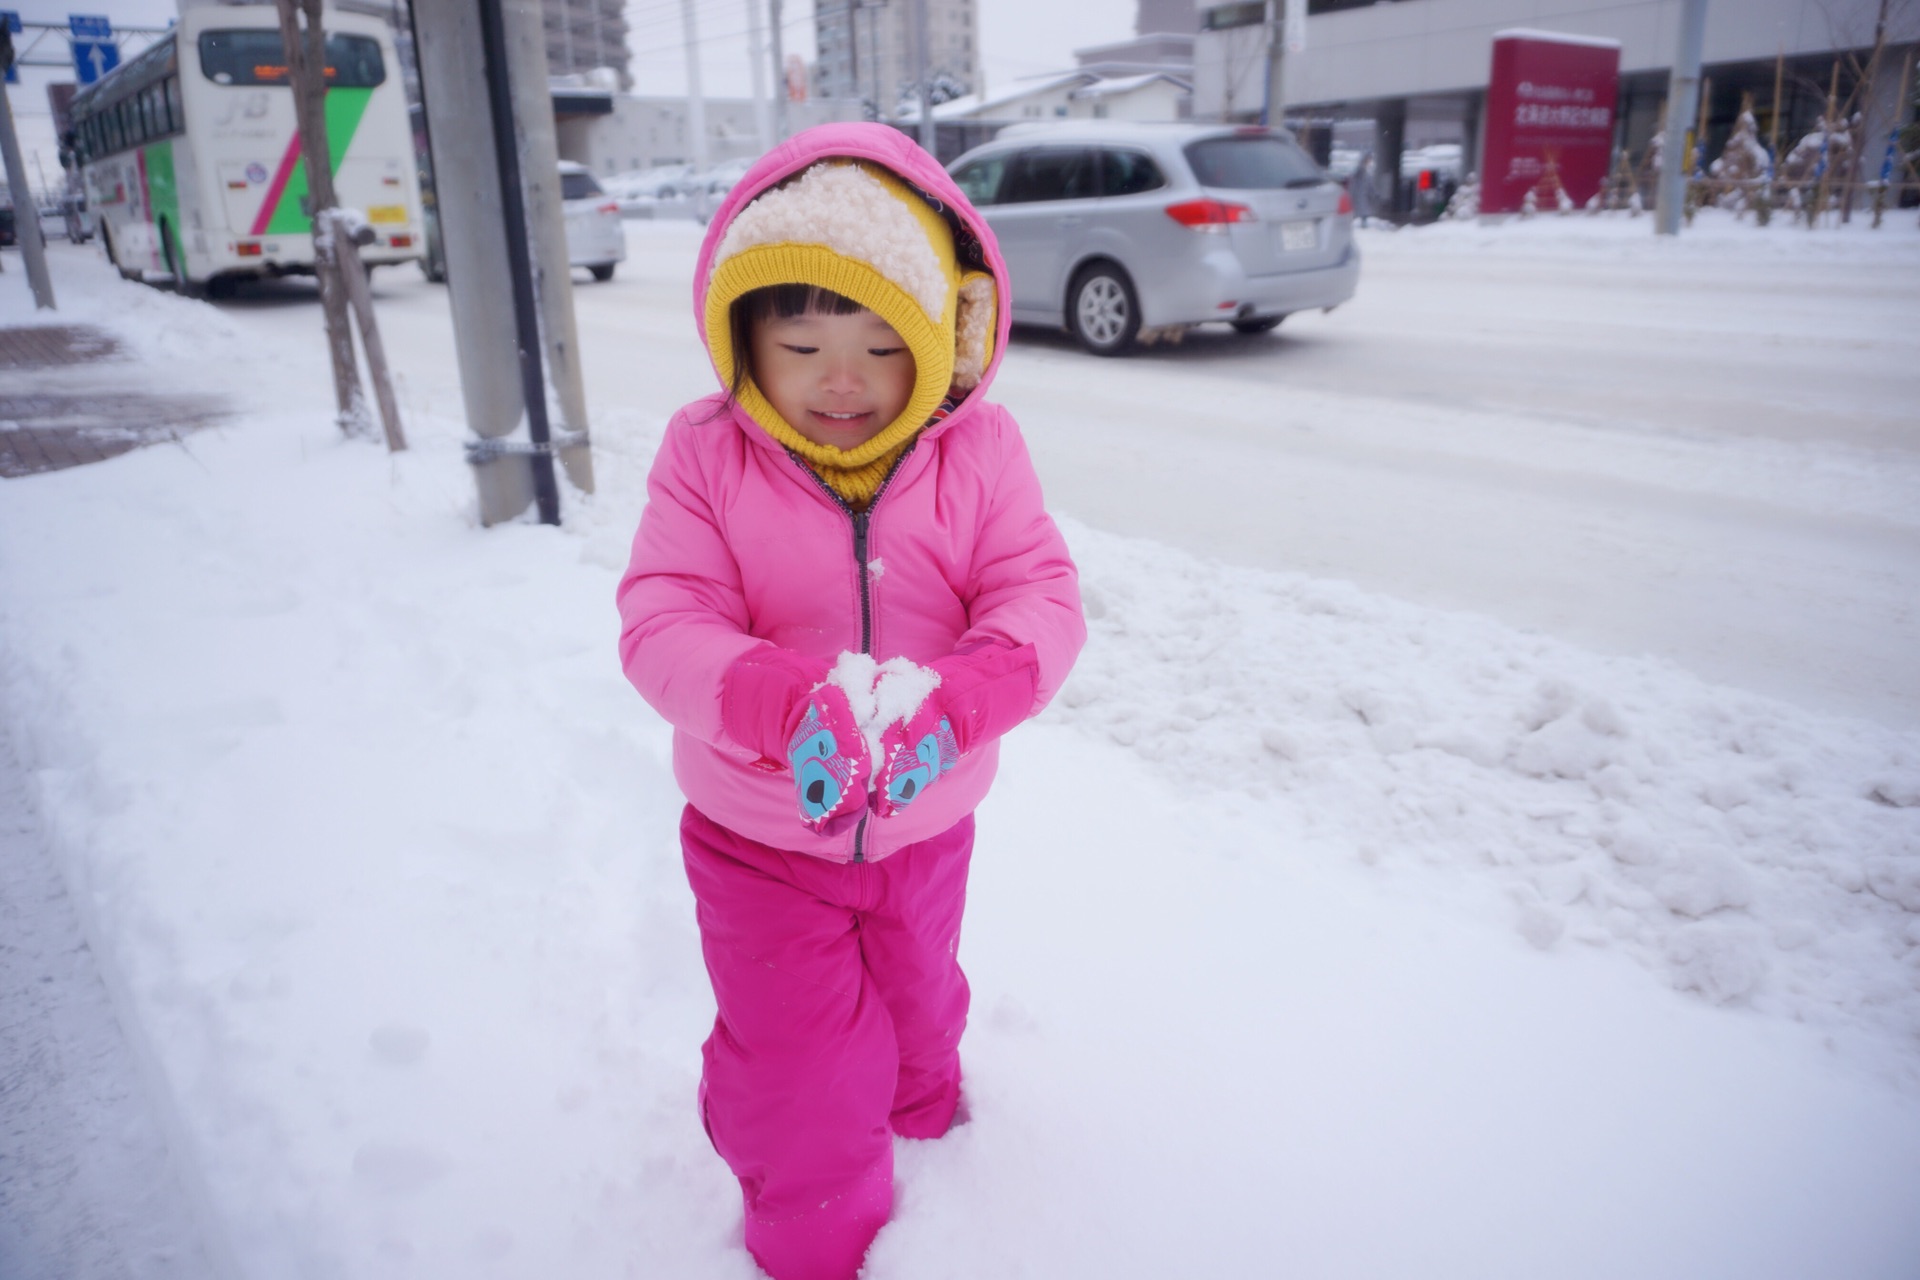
1413,73
865,51
585,35
621,133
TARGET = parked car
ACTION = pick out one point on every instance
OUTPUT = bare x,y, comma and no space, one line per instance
596,239
1112,229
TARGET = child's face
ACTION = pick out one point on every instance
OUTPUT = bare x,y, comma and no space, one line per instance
837,380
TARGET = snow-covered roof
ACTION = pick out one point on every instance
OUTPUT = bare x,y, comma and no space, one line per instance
974,104
1115,86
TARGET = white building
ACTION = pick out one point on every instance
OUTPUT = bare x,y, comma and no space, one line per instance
583,35
620,132
866,50
1076,95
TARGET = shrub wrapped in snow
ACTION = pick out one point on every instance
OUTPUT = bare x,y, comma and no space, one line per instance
1741,173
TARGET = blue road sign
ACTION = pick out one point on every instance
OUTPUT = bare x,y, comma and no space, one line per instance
94,52
12,21
94,58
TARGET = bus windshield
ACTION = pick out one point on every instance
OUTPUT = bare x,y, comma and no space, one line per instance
242,57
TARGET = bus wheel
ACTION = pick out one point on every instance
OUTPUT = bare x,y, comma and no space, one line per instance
113,253
177,264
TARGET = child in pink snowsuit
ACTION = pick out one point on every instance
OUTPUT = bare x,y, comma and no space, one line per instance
850,499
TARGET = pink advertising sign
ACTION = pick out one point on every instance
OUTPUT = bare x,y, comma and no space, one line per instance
1549,120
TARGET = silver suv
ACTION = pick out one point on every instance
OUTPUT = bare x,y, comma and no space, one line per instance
1118,229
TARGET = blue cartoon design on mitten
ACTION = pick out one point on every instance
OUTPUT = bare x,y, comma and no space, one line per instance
916,755
828,758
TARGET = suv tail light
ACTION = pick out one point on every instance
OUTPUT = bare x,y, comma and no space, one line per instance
1346,203
1209,215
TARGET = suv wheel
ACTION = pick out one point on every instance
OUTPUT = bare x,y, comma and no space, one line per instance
1103,311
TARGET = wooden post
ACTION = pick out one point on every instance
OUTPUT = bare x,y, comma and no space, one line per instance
1863,94
1818,204
1893,135
1696,152
1779,76
307,78
353,274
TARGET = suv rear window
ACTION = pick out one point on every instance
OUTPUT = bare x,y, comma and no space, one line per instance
257,56
1126,173
1049,173
579,186
1257,162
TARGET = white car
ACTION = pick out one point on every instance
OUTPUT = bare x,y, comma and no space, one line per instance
596,239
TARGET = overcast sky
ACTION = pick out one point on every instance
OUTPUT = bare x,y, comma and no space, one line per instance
1017,38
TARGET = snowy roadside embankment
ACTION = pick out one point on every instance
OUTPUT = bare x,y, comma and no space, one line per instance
1752,852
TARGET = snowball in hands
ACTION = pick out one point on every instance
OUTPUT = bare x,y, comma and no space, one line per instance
888,699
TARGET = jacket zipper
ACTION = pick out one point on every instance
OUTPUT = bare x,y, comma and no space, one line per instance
861,525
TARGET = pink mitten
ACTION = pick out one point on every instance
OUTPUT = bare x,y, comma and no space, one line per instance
774,702
982,694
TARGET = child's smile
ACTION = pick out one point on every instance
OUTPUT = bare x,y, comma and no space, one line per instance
838,380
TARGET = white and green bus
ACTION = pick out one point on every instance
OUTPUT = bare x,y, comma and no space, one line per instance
190,154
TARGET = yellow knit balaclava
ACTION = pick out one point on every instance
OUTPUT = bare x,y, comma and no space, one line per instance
858,230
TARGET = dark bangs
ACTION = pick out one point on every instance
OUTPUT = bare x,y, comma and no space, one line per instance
776,302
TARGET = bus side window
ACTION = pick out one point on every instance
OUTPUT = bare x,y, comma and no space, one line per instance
178,116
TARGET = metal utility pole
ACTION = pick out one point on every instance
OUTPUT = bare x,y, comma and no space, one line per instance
1286,35
500,105
696,104
1273,107
502,282
1682,88
762,109
535,138
779,74
928,137
26,210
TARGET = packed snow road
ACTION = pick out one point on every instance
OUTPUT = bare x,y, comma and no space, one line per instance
1686,450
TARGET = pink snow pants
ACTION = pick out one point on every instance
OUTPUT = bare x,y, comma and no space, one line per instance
841,1004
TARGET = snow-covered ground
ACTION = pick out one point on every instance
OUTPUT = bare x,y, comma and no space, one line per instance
1402,885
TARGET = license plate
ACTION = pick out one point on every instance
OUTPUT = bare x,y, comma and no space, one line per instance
387,213
1298,236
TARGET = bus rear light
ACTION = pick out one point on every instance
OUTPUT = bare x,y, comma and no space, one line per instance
611,206
237,186
248,248
401,242
1209,215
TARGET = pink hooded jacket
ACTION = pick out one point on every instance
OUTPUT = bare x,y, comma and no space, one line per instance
741,546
